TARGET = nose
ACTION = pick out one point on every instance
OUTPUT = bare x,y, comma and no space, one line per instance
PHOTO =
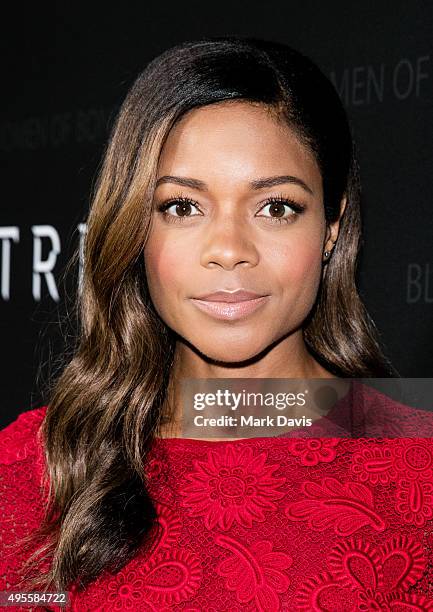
229,244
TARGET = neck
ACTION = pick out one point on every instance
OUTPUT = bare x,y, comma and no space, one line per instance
289,358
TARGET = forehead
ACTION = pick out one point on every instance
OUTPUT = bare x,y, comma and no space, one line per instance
235,141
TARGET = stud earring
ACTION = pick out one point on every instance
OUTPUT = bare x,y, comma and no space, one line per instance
326,253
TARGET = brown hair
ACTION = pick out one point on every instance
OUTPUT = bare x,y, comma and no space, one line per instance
105,407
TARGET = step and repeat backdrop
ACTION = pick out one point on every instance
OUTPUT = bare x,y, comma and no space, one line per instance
65,74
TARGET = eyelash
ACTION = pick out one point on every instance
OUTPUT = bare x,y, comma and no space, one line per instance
297,208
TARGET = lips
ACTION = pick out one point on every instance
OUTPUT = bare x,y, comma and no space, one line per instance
229,305
240,295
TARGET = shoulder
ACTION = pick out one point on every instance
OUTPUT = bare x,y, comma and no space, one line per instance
22,491
20,439
390,417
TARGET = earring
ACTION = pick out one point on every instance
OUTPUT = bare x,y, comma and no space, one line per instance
326,253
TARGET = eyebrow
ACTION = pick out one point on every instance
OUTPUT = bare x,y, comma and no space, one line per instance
262,183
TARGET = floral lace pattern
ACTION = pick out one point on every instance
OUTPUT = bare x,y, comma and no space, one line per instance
235,485
260,524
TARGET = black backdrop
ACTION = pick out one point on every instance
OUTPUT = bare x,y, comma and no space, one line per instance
67,70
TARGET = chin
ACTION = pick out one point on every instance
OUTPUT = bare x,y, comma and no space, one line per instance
230,352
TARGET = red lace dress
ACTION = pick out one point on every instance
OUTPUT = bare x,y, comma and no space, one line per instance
316,524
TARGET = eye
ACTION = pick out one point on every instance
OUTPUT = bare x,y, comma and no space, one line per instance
281,209
179,207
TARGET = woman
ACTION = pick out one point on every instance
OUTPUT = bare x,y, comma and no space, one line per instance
222,243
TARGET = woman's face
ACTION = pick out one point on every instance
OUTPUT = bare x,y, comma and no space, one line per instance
226,227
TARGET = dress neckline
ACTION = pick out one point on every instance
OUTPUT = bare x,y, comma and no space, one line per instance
337,412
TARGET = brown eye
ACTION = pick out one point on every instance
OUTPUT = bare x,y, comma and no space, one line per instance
277,209
178,208
183,209
281,210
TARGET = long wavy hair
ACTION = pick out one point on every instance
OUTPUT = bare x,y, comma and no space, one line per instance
106,406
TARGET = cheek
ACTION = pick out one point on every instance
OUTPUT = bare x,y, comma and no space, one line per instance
299,264
166,265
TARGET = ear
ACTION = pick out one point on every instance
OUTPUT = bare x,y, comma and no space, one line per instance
332,230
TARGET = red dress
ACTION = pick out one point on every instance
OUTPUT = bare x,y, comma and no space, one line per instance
279,523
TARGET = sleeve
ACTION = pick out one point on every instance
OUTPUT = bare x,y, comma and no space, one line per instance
21,498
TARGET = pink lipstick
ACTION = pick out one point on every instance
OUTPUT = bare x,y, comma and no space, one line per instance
230,305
